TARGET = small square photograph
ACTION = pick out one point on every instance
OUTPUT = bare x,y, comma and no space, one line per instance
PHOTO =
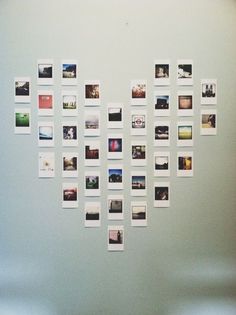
138,213
69,133
22,90
45,72
92,93
208,122
22,121
162,133
92,183
185,164
46,164
115,238
208,92
46,134
162,164
185,72
161,103
92,153
92,214
69,103
138,153
185,103
162,194
69,72
69,164
115,207
162,72
185,133
138,123
69,195
138,92
91,123
115,177
138,183
114,143
45,103
114,116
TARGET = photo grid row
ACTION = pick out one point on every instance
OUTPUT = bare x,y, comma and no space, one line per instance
115,114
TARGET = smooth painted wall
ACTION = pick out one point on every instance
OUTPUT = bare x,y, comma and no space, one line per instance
184,261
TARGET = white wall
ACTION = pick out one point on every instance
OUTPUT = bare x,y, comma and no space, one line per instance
49,261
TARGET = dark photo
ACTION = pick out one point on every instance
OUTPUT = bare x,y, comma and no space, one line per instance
114,145
162,102
70,164
139,213
91,91
69,71
22,119
22,88
138,182
161,132
184,71
92,182
91,152
161,163
161,71
185,163
115,114
115,175
161,193
70,194
138,152
69,132
115,206
45,71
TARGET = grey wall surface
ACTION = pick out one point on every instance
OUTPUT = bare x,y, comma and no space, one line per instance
184,261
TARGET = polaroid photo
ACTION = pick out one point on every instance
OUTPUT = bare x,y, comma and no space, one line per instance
92,153
208,125
162,103
115,239
69,133
138,183
185,133
139,153
184,164
162,164
22,90
45,103
162,72
162,133
115,116
69,195
45,133
115,205
92,93
45,72
69,164
208,92
22,121
69,103
115,177
46,164
69,72
91,123
138,213
161,194
138,92
92,214
138,123
185,72
92,184
185,103
115,146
